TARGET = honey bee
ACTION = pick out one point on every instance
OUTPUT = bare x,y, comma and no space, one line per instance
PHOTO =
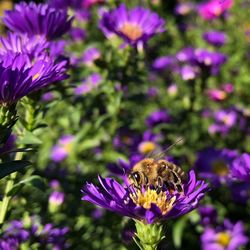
156,173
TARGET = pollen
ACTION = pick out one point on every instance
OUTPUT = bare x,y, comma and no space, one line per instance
131,30
146,198
147,147
35,76
223,239
220,168
68,147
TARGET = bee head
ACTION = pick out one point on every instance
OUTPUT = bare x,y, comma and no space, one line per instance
135,178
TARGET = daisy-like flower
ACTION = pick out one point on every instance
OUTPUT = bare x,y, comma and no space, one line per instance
228,237
146,205
215,165
63,148
20,77
157,117
213,9
135,26
241,167
37,19
215,38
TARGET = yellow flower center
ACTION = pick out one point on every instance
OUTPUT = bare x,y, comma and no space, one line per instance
131,30
147,147
68,147
227,120
35,76
220,168
223,239
144,199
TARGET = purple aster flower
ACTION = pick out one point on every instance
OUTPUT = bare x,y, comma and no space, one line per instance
56,198
97,213
172,89
89,84
90,55
17,230
77,34
19,77
213,9
227,237
189,72
216,94
215,164
21,43
225,120
63,4
241,167
135,26
158,116
210,60
63,148
48,97
215,38
37,19
9,243
186,55
146,204
153,91
208,215
184,8
8,145
164,63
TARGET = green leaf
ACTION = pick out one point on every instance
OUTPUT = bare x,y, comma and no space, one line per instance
34,180
7,168
178,230
30,138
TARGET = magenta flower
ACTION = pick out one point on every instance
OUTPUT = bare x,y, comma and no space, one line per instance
145,205
135,26
37,19
213,9
61,150
227,237
241,167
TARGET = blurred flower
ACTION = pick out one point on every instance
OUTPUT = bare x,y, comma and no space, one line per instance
90,55
127,235
77,34
184,8
97,213
19,77
135,26
158,116
92,82
240,192
37,19
63,148
63,4
54,184
225,120
56,199
215,38
147,205
227,237
241,167
208,215
228,88
213,9
163,63
48,97
89,3
153,91
188,72
216,94
215,164
172,89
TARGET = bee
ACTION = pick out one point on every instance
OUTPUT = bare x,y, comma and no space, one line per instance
150,172
157,172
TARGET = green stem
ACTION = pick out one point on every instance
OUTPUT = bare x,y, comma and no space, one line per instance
9,186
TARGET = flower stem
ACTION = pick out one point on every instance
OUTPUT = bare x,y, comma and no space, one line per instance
149,235
9,186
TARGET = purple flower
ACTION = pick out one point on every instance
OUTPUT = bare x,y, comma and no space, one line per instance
63,148
37,19
20,77
56,198
241,167
215,38
215,164
213,9
135,26
158,116
227,237
240,192
63,4
89,3
9,243
77,34
164,63
90,55
8,145
208,215
189,72
216,94
146,204
184,8
89,84
225,120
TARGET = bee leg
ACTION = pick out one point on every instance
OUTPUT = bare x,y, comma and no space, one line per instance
159,185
